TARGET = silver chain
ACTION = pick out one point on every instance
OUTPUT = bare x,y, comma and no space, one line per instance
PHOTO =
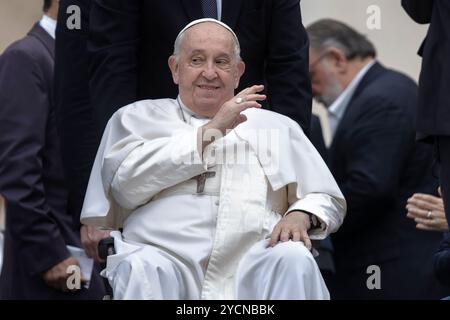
181,110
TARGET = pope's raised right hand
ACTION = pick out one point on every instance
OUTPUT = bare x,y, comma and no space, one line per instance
229,115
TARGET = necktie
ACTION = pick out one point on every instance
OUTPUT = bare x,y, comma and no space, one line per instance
209,8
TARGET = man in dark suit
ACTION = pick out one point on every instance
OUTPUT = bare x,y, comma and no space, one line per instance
38,227
132,39
377,164
77,130
433,112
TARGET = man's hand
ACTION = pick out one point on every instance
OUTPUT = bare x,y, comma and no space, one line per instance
229,115
428,212
90,237
56,277
295,226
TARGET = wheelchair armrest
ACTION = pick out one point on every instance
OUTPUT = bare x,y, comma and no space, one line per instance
106,248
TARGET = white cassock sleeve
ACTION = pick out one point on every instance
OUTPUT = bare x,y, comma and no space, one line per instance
156,165
319,204
146,147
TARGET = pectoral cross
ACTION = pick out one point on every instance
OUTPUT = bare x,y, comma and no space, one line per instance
201,179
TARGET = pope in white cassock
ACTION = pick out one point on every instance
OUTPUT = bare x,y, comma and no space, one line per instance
217,198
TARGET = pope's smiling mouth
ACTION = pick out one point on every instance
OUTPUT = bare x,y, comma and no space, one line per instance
208,87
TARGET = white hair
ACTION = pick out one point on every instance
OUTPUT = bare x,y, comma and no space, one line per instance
180,36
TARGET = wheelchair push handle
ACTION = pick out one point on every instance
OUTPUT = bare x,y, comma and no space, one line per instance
106,247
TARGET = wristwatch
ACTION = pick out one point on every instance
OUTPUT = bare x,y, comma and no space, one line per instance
314,222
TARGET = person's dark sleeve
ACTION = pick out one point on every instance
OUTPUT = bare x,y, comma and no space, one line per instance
316,137
79,137
287,69
113,44
376,151
419,10
442,260
24,112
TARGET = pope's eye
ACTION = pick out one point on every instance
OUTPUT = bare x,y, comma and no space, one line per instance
196,60
222,63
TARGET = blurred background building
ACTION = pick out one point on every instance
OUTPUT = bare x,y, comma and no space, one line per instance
16,19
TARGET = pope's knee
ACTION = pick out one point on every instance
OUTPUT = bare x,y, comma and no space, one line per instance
143,260
124,268
292,254
150,258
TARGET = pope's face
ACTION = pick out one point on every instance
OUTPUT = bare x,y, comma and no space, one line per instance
207,71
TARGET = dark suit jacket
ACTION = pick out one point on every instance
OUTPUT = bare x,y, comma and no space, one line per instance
38,228
132,40
434,97
79,136
316,137
378,165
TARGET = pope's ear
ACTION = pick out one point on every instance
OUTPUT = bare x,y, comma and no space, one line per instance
173,65
240,72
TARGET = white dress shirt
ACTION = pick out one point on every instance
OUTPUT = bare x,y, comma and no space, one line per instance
49,25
